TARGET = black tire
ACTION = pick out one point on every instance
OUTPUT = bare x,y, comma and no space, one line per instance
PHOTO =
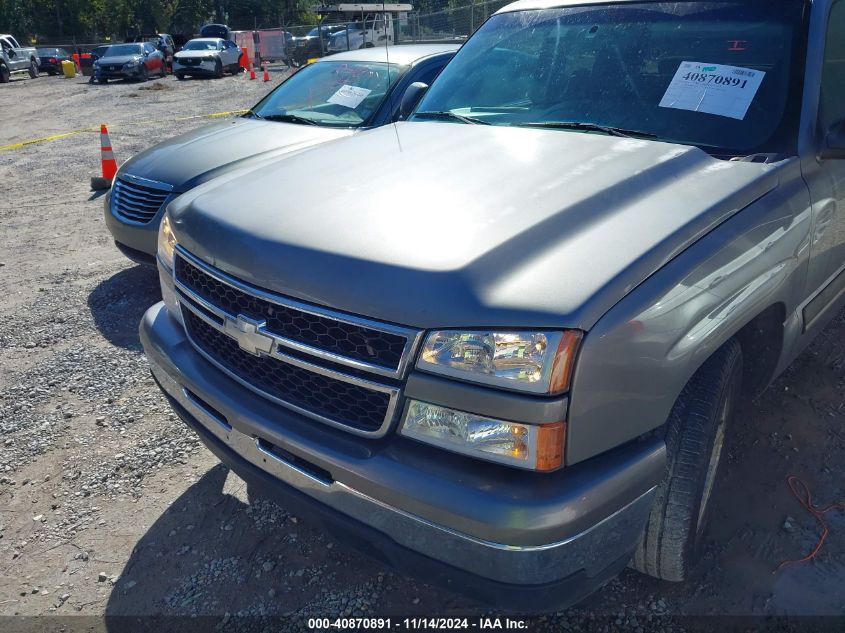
103,80
52,73
695,435
180,76
218,69
163,73
33,69
144,74
5,75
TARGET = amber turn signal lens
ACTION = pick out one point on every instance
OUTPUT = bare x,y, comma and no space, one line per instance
550,445
564,361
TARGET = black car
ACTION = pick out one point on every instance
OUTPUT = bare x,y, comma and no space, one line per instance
312,44
50,59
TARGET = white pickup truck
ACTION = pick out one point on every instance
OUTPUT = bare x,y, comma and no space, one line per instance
16,59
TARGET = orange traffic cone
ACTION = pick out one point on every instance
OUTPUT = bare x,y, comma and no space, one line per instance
266,73
251,72
107,162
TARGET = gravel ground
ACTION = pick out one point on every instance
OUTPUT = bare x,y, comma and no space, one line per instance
110,506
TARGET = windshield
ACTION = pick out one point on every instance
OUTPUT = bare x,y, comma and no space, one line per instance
713,74
124,49
196,45
335,94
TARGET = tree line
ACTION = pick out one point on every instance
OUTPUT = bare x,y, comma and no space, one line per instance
96,20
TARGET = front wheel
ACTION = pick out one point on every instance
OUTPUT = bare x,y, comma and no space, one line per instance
695,437
218,69
5,75
180,76
144,75
33,69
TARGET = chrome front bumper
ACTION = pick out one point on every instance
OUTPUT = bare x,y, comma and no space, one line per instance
191,382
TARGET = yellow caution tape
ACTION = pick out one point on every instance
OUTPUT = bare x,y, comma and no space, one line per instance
54,137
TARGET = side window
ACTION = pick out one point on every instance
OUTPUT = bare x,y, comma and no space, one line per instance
5,44
14,42
832,100
429,71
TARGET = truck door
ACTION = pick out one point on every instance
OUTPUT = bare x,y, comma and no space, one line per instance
826,179
11,53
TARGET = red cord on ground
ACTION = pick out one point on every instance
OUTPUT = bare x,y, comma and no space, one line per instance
805,498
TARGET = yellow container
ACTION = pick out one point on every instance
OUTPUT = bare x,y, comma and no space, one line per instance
69,68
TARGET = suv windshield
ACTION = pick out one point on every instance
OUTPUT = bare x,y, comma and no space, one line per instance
713,74
338,94
199,45
118,50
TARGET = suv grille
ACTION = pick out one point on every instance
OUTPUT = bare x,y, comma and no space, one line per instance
348,404
326,365
137,203
337,337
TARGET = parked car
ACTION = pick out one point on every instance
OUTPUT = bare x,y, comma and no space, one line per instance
502,343
313,43
15,58
162,41
50,59
209,56
221,31
129,61
86,60
278,124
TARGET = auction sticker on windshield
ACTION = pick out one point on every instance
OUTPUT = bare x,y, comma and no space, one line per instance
349,96
713,88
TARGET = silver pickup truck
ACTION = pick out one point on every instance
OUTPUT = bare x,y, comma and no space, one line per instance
14,58
500,344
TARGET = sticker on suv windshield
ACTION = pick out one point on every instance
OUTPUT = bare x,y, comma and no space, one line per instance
713,88
349,96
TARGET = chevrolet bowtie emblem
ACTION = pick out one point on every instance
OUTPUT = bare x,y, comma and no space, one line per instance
248,335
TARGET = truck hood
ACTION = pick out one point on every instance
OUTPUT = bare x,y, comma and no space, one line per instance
447,225
201,154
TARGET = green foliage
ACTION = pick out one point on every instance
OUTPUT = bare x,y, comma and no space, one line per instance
96,20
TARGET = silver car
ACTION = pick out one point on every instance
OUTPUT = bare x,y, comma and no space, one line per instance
318,104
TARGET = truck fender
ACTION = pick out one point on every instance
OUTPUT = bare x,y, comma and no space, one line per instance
637,358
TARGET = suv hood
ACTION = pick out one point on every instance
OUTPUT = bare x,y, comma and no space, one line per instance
449,225
193,54
201,154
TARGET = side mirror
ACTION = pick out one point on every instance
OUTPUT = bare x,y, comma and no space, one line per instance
410,98
833,144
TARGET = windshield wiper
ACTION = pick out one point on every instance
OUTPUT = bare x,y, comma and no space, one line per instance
589,127
289,118
252,114
451,115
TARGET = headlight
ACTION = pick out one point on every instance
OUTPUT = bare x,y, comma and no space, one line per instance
130,65
168,294
166,243
536,447
536,362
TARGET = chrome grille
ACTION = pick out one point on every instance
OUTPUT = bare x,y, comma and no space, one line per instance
138,203
323,364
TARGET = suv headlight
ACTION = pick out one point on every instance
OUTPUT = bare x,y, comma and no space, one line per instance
166,243
535,447
535,362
